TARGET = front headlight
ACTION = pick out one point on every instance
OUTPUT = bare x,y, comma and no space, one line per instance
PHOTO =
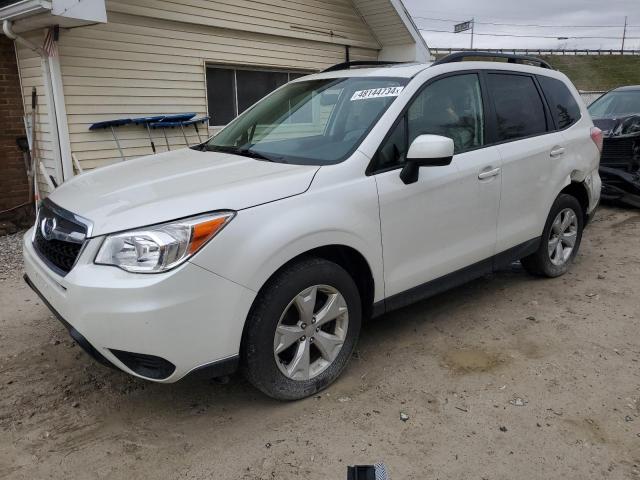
162,247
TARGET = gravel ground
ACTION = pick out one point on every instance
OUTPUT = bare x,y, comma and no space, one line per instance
507,377
10,257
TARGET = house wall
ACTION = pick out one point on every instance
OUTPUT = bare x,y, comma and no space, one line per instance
151,56
326,21
14,187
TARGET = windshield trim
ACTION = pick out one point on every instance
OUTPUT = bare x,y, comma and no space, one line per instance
295,159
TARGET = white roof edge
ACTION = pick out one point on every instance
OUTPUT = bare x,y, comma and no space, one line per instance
24,8
402,70
422,50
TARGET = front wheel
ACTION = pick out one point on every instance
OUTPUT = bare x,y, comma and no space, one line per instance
560,239
302,330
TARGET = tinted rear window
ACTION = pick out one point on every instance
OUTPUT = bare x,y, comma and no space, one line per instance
564,107
519,108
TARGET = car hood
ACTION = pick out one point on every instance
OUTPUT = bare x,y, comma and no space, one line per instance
177,184
622,126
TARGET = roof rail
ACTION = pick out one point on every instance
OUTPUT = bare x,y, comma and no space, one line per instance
511,58
358,63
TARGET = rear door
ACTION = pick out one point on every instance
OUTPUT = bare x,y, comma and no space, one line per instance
529,148
568,119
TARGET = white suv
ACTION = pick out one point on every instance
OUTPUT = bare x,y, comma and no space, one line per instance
338,197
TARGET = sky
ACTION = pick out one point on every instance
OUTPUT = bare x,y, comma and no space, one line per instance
560,18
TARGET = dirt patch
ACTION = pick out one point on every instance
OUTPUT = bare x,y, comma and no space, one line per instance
470,360
629,222
585,430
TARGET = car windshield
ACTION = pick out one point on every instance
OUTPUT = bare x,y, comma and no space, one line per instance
312,122
616,104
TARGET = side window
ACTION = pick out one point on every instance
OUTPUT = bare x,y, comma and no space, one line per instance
564,107
519,108
451,107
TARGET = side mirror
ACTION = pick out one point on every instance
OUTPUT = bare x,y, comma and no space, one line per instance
426,151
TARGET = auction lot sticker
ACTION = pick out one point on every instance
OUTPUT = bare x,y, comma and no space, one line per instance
377,93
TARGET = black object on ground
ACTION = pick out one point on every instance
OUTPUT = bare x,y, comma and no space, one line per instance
367,472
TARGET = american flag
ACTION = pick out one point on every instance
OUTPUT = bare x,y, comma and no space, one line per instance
50,47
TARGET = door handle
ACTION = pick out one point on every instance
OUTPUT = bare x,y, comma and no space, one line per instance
557,152
489,173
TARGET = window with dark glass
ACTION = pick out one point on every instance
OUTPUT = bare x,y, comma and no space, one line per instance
451,107
519,108
564,107
221,95
230,91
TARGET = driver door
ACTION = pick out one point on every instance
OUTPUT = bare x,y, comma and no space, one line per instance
445,221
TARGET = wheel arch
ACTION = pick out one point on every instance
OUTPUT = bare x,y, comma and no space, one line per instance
348,258
579,191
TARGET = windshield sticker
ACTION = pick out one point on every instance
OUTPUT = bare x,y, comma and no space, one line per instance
376,93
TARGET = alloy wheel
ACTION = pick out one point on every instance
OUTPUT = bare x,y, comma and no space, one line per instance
563,236
311,332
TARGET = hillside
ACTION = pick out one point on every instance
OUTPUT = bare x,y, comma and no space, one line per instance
598,72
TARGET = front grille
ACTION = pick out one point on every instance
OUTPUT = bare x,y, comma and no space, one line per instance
617,152
58,237
61,254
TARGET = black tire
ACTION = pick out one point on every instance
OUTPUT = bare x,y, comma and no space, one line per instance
540,263
257,352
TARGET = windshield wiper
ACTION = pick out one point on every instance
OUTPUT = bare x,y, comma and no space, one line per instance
245,152
248,152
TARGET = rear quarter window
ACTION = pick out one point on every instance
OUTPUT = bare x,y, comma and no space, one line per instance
564,108
520,112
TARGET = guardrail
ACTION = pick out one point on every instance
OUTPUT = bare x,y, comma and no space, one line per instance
588,96
529,51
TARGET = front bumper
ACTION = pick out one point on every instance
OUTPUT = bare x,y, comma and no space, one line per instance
190,318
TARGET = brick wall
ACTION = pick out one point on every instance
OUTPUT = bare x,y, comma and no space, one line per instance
13,178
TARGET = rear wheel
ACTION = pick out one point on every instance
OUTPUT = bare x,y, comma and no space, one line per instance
560,239
302,330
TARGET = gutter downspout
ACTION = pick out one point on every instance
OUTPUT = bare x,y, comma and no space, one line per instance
6,29
55,99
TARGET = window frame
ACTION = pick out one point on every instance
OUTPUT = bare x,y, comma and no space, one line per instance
548,104
402,116
235,68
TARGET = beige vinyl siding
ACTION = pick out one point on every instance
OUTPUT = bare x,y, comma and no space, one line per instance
139,66
31,75
332,21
